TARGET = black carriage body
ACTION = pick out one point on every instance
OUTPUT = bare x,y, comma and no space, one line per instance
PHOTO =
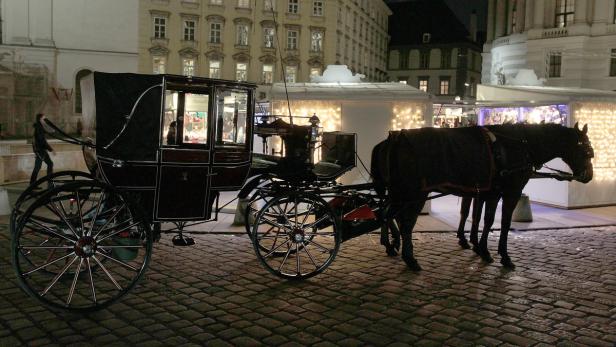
176,177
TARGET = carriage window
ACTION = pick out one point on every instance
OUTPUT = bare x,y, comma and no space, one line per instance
171,110
231,118
195,118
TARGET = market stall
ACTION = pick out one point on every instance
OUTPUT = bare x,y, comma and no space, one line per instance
369,109
566,106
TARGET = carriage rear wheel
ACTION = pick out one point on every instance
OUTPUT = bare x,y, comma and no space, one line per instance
295,235
38,188
80,247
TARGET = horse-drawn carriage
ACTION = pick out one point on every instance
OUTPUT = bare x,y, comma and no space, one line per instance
162,149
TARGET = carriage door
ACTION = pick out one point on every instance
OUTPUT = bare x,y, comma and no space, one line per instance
183,180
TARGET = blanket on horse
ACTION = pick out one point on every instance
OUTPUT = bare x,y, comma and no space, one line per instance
458,158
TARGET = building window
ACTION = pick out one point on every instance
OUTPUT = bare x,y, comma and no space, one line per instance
188,67
243,3
445,59
444,86
565,10
214,69
317,8
268,74
293,6
270,5
241,71
423,84
78,102
268,37
426,38
292,39
160,27
473,87
216,2
316,41
215,29
613,63
404,60
291,74
158,65
315,71
242,35
189,30
424,59
555,65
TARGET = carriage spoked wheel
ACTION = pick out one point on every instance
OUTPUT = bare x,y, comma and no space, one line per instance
38,188
295,235
80,247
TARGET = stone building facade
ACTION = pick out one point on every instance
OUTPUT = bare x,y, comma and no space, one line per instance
235,39
46,46
439,57
570,43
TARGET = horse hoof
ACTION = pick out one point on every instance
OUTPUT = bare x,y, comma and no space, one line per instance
487,257
506,261
412,264
391,251
464,244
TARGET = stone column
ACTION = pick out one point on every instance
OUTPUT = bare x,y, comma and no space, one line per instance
581,12
539,14
601,12
491,19
521,16
529,10
501,13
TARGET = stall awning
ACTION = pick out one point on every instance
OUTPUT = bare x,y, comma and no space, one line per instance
492,95
349,91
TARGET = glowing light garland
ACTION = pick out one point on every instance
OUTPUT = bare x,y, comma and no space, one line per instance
601,120
408,115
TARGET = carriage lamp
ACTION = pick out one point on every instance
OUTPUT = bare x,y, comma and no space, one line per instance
314,127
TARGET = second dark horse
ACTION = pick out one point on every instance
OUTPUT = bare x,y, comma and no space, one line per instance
402,167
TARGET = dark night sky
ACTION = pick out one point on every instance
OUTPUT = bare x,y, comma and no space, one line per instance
463,9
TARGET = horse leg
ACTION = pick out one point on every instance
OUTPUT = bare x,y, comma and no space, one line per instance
395,234
488,220
477,208
407,219
389,226
464,209
389,249
509,203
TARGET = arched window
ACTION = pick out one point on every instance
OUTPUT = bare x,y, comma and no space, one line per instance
81,74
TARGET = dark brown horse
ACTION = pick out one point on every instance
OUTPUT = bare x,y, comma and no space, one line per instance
399,172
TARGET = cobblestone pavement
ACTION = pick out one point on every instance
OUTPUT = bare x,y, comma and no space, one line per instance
563,292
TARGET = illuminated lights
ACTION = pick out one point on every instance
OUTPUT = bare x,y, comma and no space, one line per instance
408,115
601,120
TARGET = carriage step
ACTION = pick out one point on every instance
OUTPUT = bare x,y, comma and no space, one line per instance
182,241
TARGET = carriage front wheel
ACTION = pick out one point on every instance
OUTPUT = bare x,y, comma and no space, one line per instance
80,247
295,235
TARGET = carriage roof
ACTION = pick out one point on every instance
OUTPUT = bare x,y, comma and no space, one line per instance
130,105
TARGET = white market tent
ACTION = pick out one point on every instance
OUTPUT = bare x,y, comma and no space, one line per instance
369,109
597,108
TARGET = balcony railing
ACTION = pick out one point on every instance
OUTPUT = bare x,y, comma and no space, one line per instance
554,32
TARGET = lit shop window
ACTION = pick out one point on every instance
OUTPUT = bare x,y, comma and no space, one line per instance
188,67
214,69
158,65
195,118
232,118
291,74
268,73
241,71
315,71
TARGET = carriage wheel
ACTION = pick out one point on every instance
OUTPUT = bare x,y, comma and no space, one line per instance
38,188
80,247
302,228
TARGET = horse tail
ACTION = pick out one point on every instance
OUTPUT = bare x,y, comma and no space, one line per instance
377,165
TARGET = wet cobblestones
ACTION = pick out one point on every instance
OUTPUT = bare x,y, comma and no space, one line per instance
563,292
